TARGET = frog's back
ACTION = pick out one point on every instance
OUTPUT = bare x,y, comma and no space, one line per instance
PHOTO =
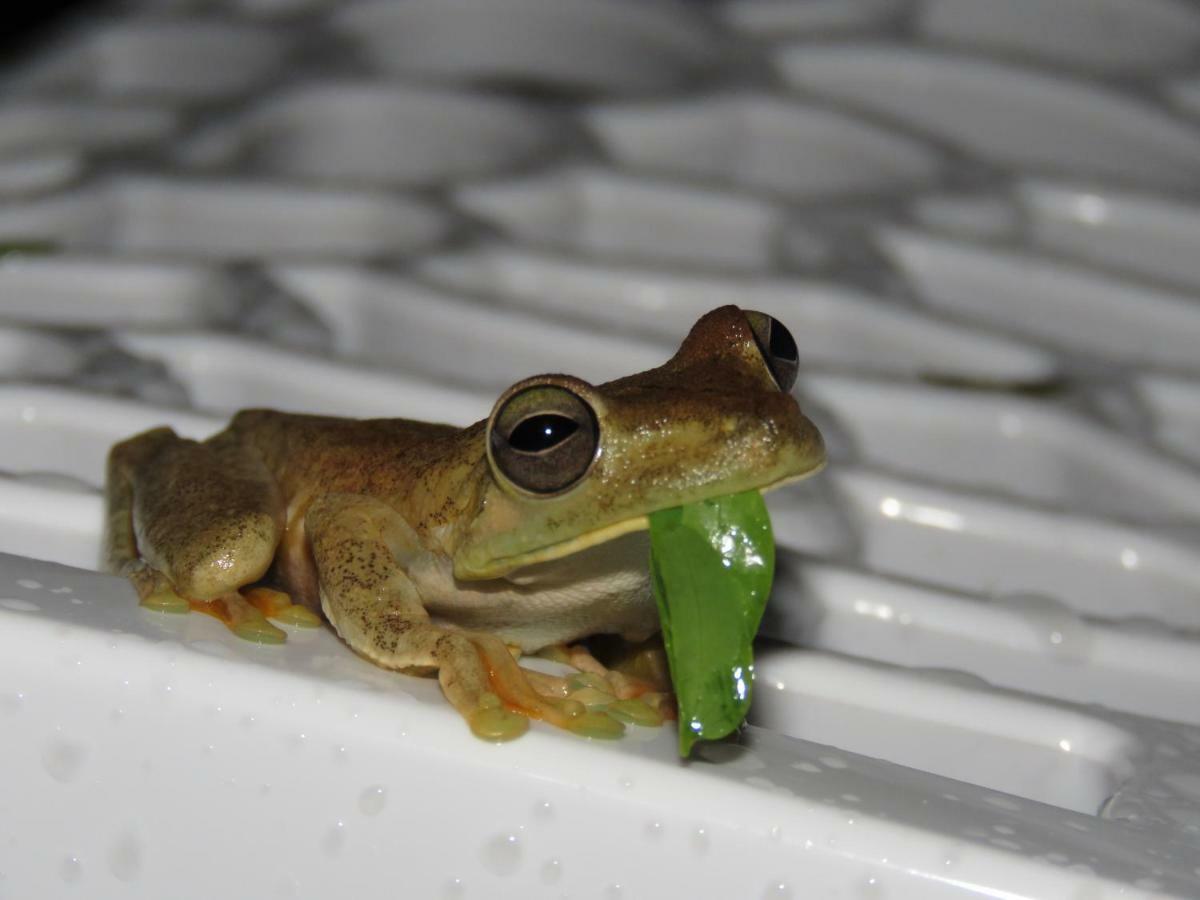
389,458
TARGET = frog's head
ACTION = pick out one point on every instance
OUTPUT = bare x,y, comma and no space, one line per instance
572,465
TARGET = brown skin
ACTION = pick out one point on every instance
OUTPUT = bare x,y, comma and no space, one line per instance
419,547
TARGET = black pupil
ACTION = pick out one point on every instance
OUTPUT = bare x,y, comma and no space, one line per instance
538,433
783,345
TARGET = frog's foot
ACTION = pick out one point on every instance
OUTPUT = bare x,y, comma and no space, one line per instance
241,617
516,689
153,589
279,606
627,698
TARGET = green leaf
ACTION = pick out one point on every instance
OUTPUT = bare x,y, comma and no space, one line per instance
711,565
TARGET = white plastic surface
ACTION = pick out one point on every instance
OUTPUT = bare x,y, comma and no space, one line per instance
978,671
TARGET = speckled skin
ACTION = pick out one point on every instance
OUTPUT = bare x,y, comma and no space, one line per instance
404,533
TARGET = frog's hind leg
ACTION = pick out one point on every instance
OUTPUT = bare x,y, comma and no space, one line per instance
190,523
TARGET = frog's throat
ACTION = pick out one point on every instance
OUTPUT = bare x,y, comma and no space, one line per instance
497,568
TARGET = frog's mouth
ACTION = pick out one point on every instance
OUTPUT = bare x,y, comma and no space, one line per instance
506,565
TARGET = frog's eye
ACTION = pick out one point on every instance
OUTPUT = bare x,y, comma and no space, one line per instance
543,439
777,347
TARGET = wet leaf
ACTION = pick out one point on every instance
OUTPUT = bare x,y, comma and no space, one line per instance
711,566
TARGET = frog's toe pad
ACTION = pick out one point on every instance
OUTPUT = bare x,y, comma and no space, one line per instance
279,606
240,617
492,722
164,599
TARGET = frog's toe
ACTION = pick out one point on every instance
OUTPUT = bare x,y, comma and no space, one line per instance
492,722
153,589
279,606
240,617
165,599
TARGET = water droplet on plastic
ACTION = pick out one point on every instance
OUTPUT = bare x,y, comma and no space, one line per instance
654,830
614,892
1060,630
778,890
125,858
10,704
551,871
811,768
502,854
700,840
29,584
454,890
870,888
1003,802
543,810
62,759
372,800
335,839
15,605
71,869
833,762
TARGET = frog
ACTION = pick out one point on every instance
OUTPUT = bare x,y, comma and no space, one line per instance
447,551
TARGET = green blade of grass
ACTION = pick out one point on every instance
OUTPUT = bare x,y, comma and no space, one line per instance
711,566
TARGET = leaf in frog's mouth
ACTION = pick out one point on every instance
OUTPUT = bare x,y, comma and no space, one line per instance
711,564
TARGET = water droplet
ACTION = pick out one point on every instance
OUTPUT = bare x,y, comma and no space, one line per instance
70,869
614,892
700,840
811,768
625,782
1002,802
454,890
551,871
75,601
125,857
1060,630
852,798
502,854
543,810
870,888
335,839
1004,829
12,603
776,833
287,888
833,762
62,759
654,830
29,584
778,890
372,800
10,704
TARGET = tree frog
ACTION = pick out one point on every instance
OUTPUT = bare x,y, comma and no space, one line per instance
435,548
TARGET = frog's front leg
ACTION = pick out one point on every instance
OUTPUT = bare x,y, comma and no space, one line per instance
359,545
